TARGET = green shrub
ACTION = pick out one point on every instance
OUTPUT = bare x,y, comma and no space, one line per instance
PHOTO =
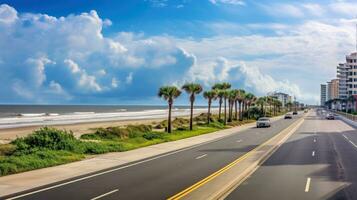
138,130
182,128
216,125
151,136
7,149
48,138
131,131
99,148
161,125
40,159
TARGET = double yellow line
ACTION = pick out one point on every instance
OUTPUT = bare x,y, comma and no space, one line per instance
227,167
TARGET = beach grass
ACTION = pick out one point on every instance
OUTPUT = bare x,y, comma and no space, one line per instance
49,146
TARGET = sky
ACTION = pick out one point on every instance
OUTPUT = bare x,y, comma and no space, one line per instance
121,52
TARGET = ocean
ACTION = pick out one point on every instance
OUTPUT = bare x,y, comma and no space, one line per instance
13,116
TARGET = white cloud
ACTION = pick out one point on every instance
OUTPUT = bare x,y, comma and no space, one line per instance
280,10
71,54
311,50
115,83
344,8
85,81
314,9
231,2
129,78
7,14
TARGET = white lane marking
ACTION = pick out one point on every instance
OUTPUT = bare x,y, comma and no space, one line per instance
314,140
239,141
349,140
313,153
105,194
199,157
112,170
307,186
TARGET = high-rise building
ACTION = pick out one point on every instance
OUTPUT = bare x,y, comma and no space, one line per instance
282,97
323,94
351,63
342,75
333,89
329,91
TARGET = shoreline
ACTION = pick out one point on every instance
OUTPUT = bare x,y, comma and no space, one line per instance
80,128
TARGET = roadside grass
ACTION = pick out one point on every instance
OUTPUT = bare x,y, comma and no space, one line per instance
49,146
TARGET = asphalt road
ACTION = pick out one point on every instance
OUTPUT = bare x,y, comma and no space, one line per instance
165,176
318,162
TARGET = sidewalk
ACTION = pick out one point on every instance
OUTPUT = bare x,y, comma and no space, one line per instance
36,178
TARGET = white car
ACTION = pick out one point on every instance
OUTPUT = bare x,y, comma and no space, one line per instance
288,116
263,122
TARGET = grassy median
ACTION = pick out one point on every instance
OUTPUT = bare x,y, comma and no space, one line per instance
49,146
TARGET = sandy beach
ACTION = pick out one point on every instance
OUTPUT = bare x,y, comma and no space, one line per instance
8,134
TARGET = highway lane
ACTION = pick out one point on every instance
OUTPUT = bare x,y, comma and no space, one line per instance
163,177
318,162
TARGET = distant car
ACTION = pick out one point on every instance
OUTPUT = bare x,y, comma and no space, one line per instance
305,111
263,122
295,113
288,116
330,116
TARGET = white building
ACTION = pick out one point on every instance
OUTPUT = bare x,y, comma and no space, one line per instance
282,97
342,75
323,94
351,63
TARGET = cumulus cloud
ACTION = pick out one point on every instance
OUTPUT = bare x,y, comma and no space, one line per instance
71,57
7,14
311,50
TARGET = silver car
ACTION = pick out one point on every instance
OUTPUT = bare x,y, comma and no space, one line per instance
263,122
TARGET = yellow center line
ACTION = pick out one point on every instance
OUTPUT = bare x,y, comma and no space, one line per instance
227,167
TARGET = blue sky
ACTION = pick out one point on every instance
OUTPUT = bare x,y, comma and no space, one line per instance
119,52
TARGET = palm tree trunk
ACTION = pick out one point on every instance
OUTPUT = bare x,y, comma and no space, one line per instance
225,111
236,110
230,110
191,116
169,118
220,108
240,111
209,111
243,109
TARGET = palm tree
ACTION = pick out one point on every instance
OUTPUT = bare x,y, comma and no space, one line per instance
210,96
169,93
225,87
249,99
192,89
289,105
231,99
240,99
262,102
237,95
220,94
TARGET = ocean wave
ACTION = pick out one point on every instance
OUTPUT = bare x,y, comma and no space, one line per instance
83,113
32,114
